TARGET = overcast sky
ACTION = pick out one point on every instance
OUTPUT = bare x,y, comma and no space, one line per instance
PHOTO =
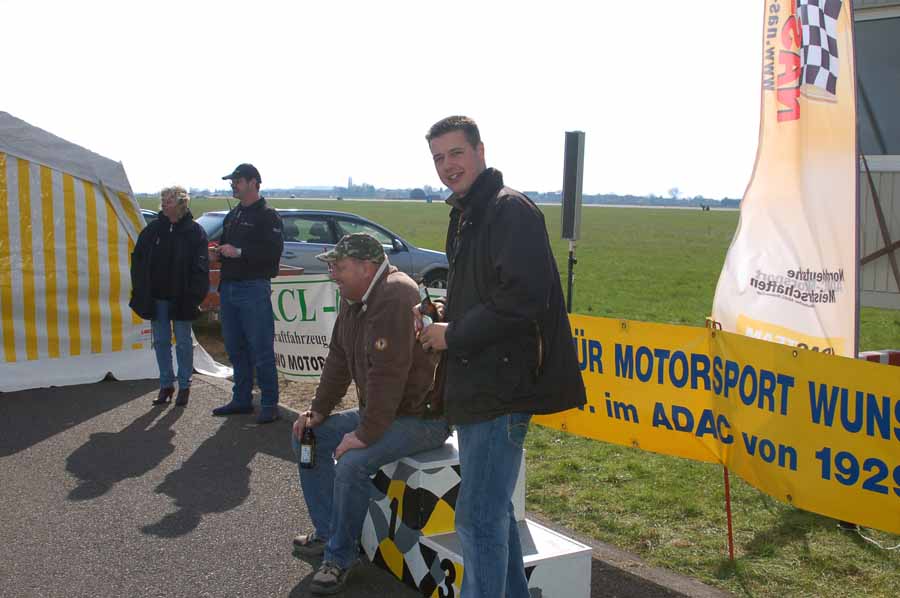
314,92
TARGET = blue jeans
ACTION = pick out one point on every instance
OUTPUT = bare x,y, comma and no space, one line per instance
337,495
489,457
161,326
248,329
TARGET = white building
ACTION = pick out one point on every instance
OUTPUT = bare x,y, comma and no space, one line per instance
877,36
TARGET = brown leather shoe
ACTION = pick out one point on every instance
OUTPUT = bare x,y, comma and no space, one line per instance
165,394
183,395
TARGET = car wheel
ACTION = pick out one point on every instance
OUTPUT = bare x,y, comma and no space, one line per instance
436,279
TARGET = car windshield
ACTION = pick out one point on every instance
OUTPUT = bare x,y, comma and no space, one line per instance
212,224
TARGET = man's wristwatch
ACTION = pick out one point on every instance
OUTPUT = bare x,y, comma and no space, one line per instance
238,249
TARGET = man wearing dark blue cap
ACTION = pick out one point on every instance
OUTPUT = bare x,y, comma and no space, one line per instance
250,250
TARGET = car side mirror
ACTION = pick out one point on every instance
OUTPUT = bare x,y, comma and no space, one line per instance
397,246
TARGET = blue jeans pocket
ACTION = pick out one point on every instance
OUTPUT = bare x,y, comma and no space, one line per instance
517,428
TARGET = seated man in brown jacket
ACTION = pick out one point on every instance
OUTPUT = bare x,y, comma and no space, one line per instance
373,343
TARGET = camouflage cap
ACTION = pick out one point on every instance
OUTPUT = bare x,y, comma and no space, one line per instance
361,246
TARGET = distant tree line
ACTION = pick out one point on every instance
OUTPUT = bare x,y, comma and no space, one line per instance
427,193
638,200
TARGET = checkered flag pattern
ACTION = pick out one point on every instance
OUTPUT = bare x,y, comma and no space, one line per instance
819,52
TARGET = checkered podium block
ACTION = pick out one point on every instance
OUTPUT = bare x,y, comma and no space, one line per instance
409,531
888,356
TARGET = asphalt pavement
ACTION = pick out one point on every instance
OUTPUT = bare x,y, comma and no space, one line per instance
103,494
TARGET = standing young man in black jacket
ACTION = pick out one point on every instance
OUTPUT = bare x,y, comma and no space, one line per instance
250,251
508,350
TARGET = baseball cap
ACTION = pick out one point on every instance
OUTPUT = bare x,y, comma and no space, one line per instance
362,246
244,171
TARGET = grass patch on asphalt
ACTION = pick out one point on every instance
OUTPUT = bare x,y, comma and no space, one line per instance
663,265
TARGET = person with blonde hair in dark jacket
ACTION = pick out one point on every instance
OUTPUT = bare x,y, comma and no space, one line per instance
169,280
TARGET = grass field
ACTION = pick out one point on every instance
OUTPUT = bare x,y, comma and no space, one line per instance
662,266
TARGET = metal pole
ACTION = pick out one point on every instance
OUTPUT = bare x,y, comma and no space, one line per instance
714,325
728,515
572,262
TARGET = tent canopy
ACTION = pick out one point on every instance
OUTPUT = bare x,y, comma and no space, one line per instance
20,139
68,225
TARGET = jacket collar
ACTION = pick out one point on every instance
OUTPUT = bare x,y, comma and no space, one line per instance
258,204
182,224
485,186
380,275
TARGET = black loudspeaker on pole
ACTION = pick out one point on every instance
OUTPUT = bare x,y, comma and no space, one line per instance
573,175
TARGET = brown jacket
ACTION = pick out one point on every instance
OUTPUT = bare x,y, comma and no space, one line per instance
373,344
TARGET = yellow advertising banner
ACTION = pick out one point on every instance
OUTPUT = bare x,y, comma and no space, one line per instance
817,431
790,273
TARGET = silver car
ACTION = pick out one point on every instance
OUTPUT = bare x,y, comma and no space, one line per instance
310,232
149,215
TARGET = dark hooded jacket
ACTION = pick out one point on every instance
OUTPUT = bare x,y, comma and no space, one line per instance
509,341
182,244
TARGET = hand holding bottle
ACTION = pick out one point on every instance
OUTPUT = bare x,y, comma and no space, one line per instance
426,312
303,430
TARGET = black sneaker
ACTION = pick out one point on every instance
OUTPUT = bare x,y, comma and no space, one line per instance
329,579
268,414
309,545
232,408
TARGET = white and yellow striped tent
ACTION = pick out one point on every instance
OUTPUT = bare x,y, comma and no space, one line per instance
68,224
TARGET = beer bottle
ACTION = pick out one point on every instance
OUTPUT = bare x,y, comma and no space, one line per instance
427,308
307,447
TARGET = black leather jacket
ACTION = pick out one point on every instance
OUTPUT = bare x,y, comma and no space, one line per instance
509,340
191,262
256,230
